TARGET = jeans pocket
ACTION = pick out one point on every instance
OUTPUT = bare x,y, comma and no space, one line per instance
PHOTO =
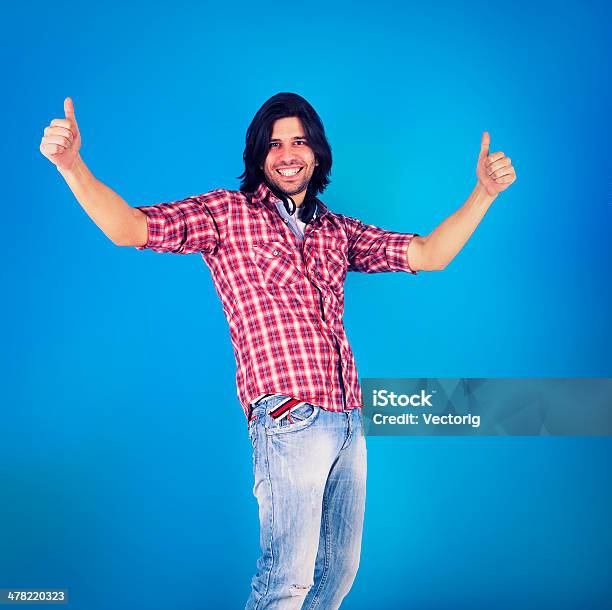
298,418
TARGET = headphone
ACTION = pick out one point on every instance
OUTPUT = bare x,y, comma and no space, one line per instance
308,206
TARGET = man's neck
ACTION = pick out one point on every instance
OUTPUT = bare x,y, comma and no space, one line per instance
299,198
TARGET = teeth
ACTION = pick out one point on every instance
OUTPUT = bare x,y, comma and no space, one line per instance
289,172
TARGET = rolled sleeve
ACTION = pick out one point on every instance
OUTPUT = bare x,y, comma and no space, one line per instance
194,224
155,227
375,250
397,251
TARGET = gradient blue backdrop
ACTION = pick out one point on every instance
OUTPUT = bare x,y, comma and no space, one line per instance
125,467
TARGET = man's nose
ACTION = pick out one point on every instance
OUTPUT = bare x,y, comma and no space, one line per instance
286,159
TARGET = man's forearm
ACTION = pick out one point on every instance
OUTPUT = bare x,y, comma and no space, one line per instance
120,222
443,244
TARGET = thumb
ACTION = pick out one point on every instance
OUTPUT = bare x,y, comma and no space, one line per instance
69,110
484,145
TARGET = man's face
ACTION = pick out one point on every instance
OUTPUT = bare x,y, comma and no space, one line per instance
288,150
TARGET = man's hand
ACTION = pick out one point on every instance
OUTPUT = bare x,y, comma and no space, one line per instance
495,172
61,141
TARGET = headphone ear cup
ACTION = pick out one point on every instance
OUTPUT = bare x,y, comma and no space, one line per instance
291,205
309,209
288,203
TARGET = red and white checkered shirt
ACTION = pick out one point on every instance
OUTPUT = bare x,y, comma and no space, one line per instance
283,297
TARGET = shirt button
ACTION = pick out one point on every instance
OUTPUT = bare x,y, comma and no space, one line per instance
286,220
275,252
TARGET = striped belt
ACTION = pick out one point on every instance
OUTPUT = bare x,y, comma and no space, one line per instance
283,408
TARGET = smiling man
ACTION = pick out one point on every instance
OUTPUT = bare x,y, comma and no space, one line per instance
290,164
278,258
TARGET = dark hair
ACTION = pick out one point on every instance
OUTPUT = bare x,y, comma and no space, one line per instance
280,106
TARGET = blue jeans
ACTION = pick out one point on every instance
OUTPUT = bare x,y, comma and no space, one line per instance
310,484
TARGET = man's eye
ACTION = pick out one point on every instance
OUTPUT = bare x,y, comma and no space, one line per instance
296,142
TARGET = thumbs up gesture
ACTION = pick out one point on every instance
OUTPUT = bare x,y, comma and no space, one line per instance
494,171
61,140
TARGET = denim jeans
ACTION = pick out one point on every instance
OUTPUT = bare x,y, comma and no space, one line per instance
310,484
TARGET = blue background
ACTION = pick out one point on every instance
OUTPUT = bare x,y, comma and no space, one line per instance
125,467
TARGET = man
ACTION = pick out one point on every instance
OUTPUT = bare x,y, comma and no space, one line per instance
279,258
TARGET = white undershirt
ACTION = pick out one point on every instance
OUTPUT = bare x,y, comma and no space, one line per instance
299,223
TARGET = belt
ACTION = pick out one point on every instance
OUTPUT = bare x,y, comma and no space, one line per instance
283,408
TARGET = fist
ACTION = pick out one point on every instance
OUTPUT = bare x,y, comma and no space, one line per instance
494,171
61,140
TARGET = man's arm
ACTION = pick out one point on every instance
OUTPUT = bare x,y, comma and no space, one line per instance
120,222
61,142
195,224
433,252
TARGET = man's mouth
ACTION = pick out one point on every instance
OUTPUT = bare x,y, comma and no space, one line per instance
288,172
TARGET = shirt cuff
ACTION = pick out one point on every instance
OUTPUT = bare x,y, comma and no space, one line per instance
155,226
396,252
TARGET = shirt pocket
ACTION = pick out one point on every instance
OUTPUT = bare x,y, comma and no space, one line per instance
337,265
276,263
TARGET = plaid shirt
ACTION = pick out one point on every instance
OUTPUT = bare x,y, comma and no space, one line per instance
283,296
